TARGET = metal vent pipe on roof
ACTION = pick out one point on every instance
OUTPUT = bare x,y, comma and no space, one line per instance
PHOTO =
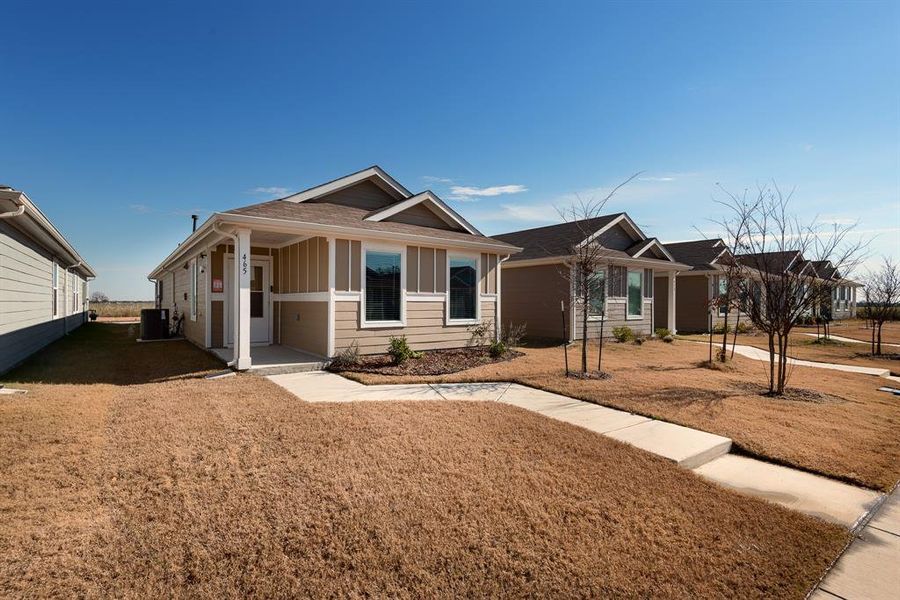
194,223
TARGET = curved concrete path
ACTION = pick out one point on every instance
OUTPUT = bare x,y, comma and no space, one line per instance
850,340
705,453
763,355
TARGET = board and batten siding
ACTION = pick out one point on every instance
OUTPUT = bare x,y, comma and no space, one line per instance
27,322
425,328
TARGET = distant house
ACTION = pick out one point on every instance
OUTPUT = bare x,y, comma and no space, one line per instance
697,287
842,304
353,261
537,281
43,280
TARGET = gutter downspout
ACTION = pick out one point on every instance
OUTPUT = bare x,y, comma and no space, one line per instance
234,284
499,319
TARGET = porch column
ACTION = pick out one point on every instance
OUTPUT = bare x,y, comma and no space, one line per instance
242,301
671,307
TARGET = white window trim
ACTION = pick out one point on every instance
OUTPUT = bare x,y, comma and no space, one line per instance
603,317
476,256
380,247
628,315
54,285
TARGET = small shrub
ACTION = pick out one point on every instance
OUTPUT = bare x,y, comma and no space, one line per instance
512,334
481,334
623,334
721,328
638,341
497,349
400,351
669,339
348,357
744,327
662,332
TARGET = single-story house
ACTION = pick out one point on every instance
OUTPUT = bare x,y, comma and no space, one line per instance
43,280
539,280
842,303
352,261
698,287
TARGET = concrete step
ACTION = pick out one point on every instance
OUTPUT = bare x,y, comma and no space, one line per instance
687,447
811,494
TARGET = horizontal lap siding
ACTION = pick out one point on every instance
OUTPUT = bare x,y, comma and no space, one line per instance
425,329
26,297
615,317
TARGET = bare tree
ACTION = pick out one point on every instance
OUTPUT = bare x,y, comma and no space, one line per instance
99,296
586,260
882,290
776,278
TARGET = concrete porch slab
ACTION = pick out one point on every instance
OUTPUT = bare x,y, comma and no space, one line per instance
687,447
804,492
276,359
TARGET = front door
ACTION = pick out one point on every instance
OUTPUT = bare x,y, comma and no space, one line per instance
260,313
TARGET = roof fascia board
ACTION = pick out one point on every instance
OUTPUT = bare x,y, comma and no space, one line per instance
622,217
659,264
438,206
348,180
655,242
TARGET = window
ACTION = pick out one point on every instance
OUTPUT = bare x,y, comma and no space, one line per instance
76,295
635,293
382,286
55,284
70,285
597,287
194,286
463,288
257,294
723,295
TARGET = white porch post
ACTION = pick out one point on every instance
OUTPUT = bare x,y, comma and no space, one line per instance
671,306
242,301
332,269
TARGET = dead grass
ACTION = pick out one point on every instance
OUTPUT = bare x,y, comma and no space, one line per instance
234,488
805,347
857,330
851,436
115,308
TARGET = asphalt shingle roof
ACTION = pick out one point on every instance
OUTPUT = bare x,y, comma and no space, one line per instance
553,240
700,254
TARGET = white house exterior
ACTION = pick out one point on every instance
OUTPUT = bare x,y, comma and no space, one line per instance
43,280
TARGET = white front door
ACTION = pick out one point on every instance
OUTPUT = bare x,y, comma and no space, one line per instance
260,307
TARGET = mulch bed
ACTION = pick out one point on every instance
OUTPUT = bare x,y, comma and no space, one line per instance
433,362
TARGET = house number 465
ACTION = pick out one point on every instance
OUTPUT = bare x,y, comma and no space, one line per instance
244,264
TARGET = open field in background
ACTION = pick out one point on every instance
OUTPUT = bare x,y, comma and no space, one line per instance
844,428
130,477
120,309
806,347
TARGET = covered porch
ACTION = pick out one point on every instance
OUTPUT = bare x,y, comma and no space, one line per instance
276,359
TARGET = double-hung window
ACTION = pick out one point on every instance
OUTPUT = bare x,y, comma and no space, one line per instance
463,288
723,295
383,289
635,293
597,294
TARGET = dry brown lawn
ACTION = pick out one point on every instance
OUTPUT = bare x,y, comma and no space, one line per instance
114,308
856,329
805,347
157,484
850,433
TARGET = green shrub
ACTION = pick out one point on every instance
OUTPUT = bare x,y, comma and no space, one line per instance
348,357
498,349
400,351
662,332
744,327
623,334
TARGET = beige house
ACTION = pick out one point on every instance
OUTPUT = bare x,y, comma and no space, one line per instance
537,282
43,280
355,260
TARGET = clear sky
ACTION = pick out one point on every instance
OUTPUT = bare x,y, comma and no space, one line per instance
120,119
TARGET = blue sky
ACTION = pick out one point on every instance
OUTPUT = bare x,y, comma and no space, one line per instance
122,119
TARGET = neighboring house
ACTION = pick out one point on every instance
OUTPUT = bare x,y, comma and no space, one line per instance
355,260
537,280
842,303
43,280
697,287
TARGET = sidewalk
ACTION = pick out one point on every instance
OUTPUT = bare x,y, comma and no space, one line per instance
705,453
763,355
870,567
847,340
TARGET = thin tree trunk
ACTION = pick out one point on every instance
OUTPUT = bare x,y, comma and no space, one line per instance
880,325
771,362
734,337
600,349
584,323
724,339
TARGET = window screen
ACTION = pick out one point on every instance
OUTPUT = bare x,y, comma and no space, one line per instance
382,286
463,288
635,293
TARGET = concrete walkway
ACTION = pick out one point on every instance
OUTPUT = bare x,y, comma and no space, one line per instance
705,453
763,355
847,340
870,567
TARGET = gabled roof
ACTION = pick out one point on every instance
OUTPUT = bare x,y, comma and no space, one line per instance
771,262
427,198
554,240
701,255
373,173
559,241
